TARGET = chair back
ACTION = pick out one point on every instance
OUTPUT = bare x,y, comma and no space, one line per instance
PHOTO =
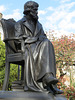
9,32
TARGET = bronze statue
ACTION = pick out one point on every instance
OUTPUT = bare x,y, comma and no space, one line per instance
40,65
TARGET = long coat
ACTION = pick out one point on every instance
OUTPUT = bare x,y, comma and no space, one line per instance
39,54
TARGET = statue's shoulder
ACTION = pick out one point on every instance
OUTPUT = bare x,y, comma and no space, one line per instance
21,20
39,24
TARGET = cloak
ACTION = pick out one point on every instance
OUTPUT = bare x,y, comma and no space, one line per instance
39,54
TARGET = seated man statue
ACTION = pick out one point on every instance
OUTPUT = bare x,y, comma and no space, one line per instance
40,66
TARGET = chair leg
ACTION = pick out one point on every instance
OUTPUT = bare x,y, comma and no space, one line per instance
6,80
18,72
22,72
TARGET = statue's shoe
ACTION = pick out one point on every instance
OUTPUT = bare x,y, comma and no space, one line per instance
50,80
55,89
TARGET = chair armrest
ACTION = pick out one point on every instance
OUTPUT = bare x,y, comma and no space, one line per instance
12,38
16,39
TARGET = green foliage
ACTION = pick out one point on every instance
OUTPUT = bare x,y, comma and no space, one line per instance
13,74
13,68
74,84
69,92
64,52
2,55
2,62
2,75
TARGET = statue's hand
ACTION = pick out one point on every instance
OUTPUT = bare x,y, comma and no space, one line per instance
24,37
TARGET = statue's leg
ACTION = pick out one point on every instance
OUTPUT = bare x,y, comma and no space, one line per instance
6,80
48,67
46,59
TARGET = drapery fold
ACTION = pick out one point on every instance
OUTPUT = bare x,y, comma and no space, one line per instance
38,62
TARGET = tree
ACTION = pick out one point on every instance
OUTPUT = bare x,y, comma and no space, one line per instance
2,61
2,54
13,68
64,52
65,57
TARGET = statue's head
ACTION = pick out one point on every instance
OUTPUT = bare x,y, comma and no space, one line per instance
31,8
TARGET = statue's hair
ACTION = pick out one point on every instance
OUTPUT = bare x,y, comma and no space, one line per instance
28,4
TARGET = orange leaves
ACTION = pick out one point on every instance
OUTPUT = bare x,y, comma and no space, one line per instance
64,50
65,56
70,92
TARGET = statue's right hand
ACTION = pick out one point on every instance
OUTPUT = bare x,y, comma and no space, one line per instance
24,37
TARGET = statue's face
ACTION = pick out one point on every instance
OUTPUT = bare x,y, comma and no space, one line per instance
31,9
34,12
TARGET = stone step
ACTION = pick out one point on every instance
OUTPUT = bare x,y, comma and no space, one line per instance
18,82
15,95
17,86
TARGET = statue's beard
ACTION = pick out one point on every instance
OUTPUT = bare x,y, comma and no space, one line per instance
34,16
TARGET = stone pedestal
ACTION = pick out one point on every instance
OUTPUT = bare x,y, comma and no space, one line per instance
19,95
17,86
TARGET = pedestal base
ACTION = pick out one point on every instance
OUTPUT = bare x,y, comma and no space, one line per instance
14,95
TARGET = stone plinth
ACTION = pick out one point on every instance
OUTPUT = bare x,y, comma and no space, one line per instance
19,95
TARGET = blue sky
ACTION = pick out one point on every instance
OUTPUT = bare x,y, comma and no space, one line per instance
57,15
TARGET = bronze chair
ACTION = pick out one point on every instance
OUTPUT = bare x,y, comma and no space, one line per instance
13,55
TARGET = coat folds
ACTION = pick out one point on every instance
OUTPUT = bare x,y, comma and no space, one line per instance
39,54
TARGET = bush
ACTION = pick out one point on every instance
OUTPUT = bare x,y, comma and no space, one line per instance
69,92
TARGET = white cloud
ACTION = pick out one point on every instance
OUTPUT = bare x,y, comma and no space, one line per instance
56,16
66,26
58,19
63,1
2,8
65,7
41,12
50,9
15,15
66,22
60,12
70,5
61,19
